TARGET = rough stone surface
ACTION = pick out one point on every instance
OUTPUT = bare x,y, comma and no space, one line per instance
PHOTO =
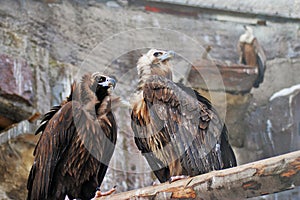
16,80
259,140
280,73
61,40
18,153
215,75
16,90
283,122
248,6
12,112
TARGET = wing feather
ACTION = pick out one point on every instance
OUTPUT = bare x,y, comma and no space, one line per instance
261,62
71,145
53,144
190,131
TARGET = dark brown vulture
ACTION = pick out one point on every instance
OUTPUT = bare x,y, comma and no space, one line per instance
77,142
176,129
252,54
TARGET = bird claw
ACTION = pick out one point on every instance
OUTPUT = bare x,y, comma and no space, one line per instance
154,183
99,194
176,178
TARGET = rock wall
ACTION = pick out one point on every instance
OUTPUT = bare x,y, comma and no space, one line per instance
262,112
62,40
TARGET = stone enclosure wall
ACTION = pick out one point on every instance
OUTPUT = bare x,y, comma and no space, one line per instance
46,45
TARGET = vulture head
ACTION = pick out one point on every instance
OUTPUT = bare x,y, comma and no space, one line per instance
154,56
155,62
101,84
248,36
95,87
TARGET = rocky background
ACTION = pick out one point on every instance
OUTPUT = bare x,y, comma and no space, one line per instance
45,45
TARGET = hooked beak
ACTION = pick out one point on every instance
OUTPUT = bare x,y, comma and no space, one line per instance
166,56
110,82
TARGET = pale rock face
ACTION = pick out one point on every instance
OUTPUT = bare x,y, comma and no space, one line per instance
54,40
284,120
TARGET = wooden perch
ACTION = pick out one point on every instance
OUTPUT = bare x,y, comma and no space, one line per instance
254,179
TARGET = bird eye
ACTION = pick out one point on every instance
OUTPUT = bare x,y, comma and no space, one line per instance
101,79
157,54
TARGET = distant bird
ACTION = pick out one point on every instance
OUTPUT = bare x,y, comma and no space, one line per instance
177,130
77,142
252,54
205,52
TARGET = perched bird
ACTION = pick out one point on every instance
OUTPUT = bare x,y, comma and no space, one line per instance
252,54
205,52
77,142
177,130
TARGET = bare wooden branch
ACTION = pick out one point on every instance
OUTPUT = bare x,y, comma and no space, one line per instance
254,179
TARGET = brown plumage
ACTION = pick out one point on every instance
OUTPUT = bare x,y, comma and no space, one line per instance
76,144
252,54
176,129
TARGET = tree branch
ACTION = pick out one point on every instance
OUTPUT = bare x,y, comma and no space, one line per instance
253,179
